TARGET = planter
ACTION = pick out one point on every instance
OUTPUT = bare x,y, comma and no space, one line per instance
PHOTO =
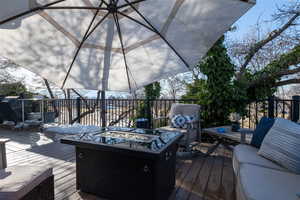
235,126
142,123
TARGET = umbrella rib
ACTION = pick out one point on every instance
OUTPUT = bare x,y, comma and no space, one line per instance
30,11
85,37
122,47
159,34
96,26
130,3
103,1
74,7
136,21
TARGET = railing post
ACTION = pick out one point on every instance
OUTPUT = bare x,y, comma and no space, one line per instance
42,111
78,109
295,108
23,111
148,112
69,105
271,107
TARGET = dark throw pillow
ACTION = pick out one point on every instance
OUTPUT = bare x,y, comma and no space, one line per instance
261,130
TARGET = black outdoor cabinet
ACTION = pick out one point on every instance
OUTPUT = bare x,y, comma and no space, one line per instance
116,173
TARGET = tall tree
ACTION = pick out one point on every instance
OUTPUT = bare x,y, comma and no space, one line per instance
14,89
174,87
262,63
152,92
274,59
215,90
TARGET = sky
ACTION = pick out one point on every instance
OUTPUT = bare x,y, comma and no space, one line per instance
262,12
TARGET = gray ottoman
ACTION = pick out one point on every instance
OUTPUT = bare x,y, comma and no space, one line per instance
27,183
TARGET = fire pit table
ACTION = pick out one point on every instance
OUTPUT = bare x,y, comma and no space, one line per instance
126,163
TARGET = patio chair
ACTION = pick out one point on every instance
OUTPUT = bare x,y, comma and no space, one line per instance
7,113
192,132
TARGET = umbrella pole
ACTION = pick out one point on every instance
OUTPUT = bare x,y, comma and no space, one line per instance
103,109
52,97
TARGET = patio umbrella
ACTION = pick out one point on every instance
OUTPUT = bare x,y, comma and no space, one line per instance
118,45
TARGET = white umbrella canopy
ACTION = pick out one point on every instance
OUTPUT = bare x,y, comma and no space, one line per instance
117,45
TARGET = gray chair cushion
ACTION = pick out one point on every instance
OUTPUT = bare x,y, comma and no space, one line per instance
246,154
184,109
259,183
282,144
17,181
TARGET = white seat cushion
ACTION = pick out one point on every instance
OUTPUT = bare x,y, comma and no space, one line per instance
259,183
246,154
17,181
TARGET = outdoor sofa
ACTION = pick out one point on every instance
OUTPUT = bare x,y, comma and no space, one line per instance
24,182
259,178
27,183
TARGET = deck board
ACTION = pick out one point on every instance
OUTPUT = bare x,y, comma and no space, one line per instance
228,180
189,180
213,189
199,178
200,185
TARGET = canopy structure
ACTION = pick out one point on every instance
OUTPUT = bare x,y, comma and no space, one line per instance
117,45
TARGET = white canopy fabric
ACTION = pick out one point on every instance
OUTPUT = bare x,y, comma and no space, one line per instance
117,45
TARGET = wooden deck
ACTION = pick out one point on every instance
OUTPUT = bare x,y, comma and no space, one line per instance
209,178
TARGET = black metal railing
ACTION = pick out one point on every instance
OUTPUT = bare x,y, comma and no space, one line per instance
118,112
272,107
123,112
